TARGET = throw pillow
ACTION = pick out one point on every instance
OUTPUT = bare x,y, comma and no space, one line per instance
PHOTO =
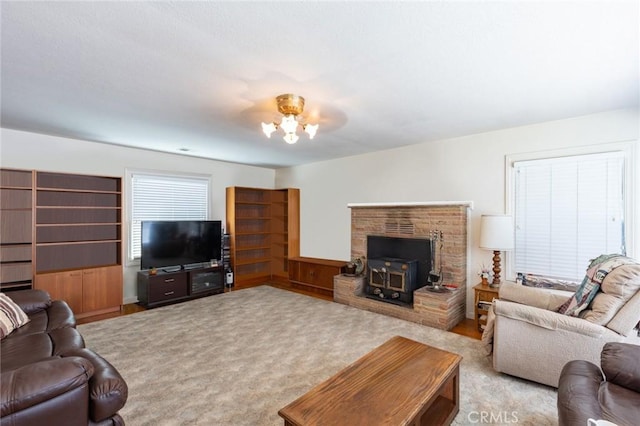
11,316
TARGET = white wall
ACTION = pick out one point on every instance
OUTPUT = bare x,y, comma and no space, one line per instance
466,168
30,151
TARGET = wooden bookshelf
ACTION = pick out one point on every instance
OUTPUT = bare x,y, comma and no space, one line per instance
78,240
16,236
264,232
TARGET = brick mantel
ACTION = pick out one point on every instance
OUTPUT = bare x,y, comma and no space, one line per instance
418,220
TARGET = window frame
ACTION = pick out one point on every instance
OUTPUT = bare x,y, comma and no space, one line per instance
629,151
129,173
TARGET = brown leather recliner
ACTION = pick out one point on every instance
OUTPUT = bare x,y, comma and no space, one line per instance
47,375
585,392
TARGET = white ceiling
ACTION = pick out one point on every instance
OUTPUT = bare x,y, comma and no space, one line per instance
375,75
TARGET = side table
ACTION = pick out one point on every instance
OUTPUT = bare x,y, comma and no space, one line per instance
484,296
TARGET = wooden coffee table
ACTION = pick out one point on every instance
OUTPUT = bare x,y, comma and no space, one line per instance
401,382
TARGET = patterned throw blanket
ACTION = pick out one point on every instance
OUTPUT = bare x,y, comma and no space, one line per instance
598,269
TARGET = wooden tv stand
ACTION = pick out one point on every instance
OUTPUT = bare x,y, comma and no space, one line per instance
177,286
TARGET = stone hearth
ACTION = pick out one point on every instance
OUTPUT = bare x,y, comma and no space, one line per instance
413,220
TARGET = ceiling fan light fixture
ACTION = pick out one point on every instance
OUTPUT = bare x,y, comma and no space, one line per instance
269,128
311,129
289,123
291,138
290,106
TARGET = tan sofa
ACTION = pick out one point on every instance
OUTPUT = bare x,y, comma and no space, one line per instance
532,341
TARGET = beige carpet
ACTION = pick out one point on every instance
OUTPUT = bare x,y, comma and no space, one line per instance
237,358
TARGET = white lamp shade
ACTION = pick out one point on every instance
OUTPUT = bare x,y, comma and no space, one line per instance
496,232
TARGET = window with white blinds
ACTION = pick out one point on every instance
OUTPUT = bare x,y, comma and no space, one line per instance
165,197
567,211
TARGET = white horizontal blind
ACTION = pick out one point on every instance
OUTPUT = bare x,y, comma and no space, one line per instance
567,211
158,197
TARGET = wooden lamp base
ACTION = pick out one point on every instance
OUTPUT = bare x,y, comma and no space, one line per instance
496,269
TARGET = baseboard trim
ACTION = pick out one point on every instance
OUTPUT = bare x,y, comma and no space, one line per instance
130,300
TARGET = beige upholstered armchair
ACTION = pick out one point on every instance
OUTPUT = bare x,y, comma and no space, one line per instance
533,341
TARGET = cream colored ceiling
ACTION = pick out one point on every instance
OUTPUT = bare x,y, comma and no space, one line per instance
376,75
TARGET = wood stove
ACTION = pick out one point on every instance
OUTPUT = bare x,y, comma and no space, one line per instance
392,279
396,267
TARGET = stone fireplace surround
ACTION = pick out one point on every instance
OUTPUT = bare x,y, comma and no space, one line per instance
413,220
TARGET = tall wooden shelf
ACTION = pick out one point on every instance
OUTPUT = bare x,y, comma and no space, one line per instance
16,241
264,228
71,227
78,221
78,240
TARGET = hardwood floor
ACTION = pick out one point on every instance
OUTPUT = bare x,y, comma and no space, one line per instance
318,294
131,308
466,328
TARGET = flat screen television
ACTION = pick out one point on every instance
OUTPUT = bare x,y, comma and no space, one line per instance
182,243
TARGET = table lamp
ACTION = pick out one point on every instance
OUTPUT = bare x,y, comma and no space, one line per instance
496,233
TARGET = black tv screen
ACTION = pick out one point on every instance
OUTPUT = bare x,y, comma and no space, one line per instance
180,243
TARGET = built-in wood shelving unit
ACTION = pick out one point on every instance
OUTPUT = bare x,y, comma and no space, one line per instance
16,236
62,233
264,228
78,221
78,240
